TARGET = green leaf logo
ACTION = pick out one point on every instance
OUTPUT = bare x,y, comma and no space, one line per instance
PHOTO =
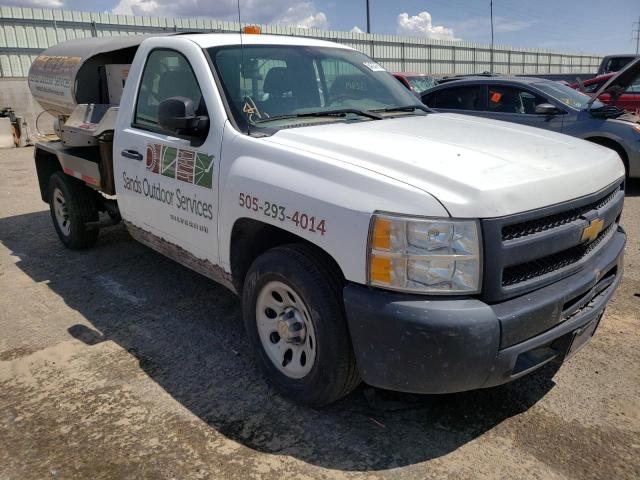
204,170
184,165
168,162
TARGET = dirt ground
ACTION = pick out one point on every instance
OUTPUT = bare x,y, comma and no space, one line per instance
118,363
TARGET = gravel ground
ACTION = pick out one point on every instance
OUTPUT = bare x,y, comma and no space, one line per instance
118,363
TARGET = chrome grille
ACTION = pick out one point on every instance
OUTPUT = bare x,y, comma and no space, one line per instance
529,250
542,266
519,230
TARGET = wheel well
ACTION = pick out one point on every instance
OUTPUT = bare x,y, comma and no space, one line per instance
46,165
251,238
613,145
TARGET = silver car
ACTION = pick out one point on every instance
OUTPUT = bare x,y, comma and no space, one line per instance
551,105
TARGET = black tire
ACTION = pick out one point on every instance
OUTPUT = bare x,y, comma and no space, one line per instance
81,208
334,373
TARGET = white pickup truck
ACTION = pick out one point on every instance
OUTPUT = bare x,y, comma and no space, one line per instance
369,238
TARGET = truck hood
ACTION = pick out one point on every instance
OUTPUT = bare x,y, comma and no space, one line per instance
477,168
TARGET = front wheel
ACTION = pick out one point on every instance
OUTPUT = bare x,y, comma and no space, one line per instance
293,315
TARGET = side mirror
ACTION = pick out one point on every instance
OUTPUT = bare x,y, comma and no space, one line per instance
177,115
546,109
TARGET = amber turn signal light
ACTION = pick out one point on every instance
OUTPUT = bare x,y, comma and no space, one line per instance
382,234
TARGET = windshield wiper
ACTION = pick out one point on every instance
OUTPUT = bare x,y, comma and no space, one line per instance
324,113
405,108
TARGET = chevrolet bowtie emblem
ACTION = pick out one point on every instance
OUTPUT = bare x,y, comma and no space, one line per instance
590,233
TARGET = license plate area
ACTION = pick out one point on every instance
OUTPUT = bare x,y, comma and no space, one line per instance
581,336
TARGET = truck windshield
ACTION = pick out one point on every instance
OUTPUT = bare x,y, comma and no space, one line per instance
276,86
616,64
567,95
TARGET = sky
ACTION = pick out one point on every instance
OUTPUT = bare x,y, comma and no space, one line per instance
590,26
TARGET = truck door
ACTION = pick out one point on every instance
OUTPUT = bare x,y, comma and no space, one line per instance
167,185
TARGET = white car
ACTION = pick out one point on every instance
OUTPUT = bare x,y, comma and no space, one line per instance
368,238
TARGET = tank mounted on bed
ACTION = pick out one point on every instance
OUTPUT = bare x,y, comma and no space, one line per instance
80,83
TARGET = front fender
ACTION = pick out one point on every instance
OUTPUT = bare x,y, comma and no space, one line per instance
325,201
623,135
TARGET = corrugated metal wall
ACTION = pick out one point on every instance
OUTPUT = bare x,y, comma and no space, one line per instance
24,32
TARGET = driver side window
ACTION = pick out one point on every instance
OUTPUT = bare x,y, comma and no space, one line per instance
459,98
513,100
166,74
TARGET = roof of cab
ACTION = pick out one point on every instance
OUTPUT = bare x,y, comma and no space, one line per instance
208,40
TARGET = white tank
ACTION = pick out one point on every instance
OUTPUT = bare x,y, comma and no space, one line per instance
75,72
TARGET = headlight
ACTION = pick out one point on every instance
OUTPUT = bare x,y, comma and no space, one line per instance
424,255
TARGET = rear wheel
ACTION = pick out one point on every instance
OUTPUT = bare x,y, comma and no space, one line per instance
72,205
294,318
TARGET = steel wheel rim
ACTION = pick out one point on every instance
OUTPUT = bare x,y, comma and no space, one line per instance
279,310
61,212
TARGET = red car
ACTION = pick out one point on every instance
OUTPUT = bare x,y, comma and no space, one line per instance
629,100
416,82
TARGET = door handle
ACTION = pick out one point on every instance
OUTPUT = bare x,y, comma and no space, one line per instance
132,154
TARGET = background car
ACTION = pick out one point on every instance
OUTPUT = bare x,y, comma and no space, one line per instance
629,100
545,104
615,63
416,82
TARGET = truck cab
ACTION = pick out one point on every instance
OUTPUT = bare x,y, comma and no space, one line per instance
368,238
614,63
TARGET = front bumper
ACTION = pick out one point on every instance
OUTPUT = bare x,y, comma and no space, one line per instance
421,344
